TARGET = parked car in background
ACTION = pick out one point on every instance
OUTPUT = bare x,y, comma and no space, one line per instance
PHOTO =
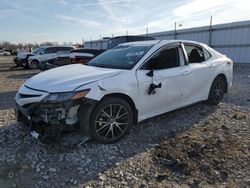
123,86
62,58
33,59
4,53
80,55
83,55
113,42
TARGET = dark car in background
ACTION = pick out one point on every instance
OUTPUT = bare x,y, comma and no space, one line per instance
115,41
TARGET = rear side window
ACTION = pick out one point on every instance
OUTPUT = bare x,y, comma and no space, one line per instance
195,53
49,50
207,55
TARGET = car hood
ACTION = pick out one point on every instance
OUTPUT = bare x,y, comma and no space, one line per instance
24,54
68,78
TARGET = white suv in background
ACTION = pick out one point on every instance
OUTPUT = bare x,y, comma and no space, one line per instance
33,59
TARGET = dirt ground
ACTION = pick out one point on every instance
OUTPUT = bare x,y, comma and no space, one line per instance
197,146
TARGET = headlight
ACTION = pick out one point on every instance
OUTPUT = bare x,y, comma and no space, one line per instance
60,97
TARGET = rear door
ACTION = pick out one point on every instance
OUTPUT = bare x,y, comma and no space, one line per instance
171,74
202,71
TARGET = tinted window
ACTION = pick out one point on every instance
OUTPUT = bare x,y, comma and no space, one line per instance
91,51
165,59
121,57
38,50
195,53
49,50
68,48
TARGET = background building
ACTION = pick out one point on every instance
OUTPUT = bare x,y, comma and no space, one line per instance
231,39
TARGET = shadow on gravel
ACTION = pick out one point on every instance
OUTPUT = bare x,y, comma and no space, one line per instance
22,76
7,100
84,162
7,65
12,70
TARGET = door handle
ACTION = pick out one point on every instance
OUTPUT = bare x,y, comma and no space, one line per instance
185,73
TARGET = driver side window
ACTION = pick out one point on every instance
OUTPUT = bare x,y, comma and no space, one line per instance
168,58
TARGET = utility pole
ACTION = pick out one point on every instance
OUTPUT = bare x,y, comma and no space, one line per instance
101,41
147,31
210,31
127,33
175,30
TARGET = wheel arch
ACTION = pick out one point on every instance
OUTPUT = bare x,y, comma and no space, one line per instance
35,59
224,77
128,99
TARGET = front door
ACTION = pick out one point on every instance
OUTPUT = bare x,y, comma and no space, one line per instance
171,79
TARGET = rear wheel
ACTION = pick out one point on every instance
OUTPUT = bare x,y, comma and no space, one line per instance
111,120
217,91
34,64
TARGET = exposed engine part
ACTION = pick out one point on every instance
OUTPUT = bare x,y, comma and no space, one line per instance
72,115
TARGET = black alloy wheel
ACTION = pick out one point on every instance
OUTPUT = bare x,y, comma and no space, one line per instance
217,91
111,120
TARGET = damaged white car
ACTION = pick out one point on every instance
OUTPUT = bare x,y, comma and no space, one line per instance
123,86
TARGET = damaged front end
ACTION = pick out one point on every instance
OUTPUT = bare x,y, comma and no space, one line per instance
56,114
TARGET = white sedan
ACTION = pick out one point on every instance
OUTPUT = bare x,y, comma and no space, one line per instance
123,86
5,53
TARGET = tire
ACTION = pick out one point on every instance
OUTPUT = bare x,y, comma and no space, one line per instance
34,64
111,120
217,91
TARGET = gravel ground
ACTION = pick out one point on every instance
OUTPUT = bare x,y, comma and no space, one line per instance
197,146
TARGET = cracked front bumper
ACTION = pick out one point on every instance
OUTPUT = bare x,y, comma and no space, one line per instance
20,62
49,118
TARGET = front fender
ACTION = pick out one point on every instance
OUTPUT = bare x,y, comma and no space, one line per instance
124,83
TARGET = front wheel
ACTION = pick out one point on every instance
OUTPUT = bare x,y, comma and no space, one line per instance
110,120
34,64
217,91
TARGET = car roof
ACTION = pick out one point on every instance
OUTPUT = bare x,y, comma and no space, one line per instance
129,36
55,46
152,42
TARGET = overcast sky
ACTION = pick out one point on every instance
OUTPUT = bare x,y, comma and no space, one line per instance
71,20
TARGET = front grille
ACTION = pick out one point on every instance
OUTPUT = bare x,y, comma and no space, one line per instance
28,95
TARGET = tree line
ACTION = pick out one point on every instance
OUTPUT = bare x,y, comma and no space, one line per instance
6,45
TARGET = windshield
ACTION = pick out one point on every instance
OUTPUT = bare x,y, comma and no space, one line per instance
121,57
38,50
